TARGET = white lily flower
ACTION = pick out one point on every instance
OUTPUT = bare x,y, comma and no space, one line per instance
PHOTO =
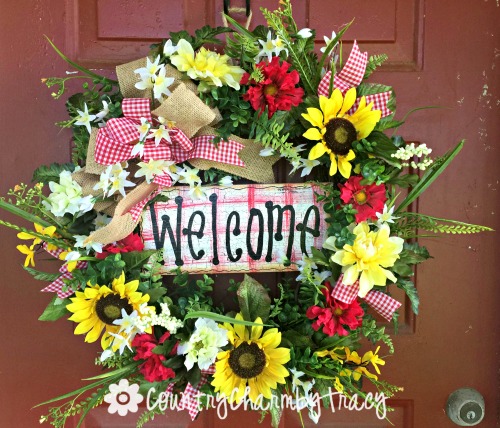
162,133
152,168
85,118
386,216
148,72
197,193
126,322
138,150
267,152
189,176
104,112
226,181
143,128
305,33
307,166
328,41
119,182
169,48
82,242
269,47
101,221
161,84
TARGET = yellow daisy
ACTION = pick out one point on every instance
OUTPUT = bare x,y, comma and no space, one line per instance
254,360
336,130
95,308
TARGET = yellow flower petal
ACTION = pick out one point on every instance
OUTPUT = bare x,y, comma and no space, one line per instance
314,117
317,151
349,99
313,134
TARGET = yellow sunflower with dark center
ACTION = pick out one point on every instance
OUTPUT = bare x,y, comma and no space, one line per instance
96,307
336,130
254,360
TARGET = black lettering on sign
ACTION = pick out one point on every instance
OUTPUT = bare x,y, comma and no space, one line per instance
236,232
189,232
279,228
160,240
213,199
255,255
303,228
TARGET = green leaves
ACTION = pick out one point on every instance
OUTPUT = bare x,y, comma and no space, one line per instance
411,292
253,299
45,174
55,309
41,276
373,62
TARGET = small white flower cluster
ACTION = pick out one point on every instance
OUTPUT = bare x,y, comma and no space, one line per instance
67,197
269,47
190,176
308,271
150,169
410,151
304,397
84,117
114,179
154,77
204,344
149,318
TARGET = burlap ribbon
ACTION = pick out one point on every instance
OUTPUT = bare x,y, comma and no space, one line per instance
195,119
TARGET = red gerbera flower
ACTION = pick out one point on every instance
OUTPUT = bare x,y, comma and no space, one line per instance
367,200
152,369
132,242
276,91
335,315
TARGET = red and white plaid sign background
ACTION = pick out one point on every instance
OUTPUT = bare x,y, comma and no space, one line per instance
241,199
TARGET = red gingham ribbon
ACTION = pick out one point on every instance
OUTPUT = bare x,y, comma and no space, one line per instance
383,304
351,76
57,285
190,399
114,142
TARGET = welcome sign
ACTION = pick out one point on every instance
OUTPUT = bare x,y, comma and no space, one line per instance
242,228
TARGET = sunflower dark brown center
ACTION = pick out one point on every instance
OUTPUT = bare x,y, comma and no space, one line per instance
339,136
271,89
247,360
109,308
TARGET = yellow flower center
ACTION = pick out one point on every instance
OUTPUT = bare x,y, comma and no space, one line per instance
247,361
360,197
271,89
337,312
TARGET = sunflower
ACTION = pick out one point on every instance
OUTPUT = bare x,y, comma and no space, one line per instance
338,130
254,360
95,308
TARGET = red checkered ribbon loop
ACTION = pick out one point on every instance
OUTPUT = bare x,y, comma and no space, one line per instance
115,142
381,303
351,76
57,286
190,400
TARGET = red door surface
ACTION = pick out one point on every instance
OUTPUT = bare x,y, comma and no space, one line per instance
441,53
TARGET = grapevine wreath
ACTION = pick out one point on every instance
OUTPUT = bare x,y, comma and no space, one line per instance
199,123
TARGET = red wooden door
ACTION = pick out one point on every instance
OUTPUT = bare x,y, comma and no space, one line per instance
441,53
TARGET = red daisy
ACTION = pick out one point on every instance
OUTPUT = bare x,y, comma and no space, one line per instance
367,200
132,242
152,369
277,91
335,315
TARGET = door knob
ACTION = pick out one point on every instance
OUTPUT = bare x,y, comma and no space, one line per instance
465,407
